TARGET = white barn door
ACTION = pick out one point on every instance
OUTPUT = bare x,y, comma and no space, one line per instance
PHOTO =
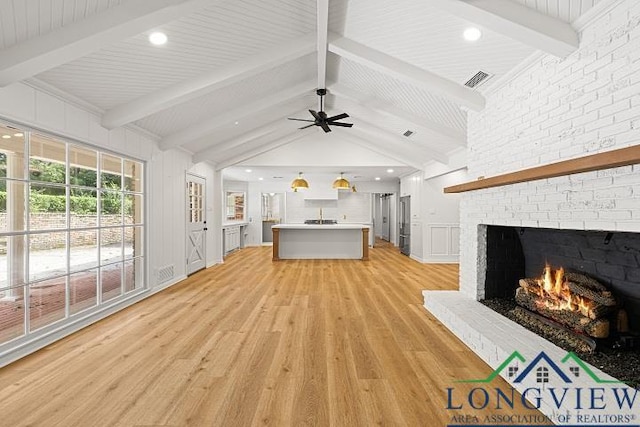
196,223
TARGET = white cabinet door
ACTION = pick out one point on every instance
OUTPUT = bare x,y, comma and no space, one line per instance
416,196
405,186
416,240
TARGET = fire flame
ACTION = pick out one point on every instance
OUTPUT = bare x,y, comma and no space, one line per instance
555,293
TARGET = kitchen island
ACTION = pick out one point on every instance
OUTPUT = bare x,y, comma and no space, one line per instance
320,241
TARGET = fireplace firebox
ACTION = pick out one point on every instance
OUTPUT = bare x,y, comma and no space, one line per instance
611,258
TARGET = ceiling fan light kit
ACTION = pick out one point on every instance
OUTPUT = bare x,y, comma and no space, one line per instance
320,117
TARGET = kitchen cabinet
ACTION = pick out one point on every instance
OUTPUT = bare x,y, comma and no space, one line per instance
232,238
416,240
411,185
320,193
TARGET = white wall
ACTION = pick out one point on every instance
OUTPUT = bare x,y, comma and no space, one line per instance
441,218
558,109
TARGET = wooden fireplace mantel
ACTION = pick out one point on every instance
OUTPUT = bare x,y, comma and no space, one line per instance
609,159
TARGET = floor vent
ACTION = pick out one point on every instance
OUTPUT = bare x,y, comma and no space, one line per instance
165,274
479,78
408,133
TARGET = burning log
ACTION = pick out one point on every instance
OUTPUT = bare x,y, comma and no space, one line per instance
586,281
595,310
545,326
602,297
597,328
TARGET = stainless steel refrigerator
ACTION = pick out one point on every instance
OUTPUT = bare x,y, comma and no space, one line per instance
405,225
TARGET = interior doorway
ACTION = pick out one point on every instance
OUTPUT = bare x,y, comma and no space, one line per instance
272,214
384,216
196,223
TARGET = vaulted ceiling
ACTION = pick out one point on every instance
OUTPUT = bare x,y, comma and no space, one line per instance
231,72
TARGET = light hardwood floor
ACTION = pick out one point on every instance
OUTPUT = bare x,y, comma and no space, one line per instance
252,342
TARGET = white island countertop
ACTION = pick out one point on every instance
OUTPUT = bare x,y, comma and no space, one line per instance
321,226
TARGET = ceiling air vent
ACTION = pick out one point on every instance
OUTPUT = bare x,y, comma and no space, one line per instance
408,133
479,78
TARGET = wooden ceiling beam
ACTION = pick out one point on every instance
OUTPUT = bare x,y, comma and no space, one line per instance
406,72
275,140
256,134
398,143
518,22
364,140
323,31
424,124
246,112
83,37
184,91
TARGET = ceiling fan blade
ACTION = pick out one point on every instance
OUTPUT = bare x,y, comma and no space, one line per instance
324,127
307,126
344,125
338,117
300,120
315,115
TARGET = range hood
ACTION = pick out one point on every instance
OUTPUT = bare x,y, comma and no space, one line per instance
320,194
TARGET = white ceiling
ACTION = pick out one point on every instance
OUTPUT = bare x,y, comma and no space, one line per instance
233,71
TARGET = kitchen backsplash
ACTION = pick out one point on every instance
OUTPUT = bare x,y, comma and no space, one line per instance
349,208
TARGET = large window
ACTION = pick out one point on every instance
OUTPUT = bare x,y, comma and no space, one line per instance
71,230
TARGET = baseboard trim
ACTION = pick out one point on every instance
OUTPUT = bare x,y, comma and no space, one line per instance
415,258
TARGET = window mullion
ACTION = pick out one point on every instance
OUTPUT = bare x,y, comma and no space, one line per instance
99,223
67,299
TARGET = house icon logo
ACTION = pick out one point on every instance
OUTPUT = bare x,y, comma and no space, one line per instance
542,366
568,389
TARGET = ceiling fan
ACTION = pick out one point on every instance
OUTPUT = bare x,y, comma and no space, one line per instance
320,117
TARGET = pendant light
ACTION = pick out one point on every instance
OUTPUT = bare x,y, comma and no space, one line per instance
299,182
341,183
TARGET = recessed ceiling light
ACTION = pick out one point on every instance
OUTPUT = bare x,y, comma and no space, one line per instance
18,135
261,179
377,178
157,38
389,170
472,34
6,136
248,170
235,123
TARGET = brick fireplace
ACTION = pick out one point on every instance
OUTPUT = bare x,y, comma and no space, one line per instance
548,111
